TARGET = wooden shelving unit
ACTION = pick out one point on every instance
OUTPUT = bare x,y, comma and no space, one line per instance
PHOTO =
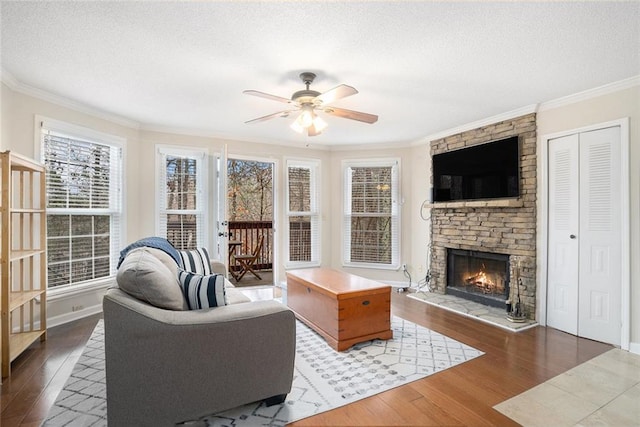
23,257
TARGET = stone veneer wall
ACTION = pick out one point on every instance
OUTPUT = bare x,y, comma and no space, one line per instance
505,226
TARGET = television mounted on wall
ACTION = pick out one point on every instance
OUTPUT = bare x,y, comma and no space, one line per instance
485,171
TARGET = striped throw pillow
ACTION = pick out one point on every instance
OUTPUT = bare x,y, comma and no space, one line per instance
202,291
196,261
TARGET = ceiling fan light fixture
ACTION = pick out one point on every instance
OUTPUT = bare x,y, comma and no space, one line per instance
307,120
307,117
319,124
297,125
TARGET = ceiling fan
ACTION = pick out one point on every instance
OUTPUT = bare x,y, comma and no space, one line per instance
308,102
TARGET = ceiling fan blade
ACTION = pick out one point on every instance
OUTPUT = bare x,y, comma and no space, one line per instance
353,115
268,96
271,116
336,93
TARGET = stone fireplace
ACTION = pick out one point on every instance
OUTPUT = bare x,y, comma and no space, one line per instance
505,228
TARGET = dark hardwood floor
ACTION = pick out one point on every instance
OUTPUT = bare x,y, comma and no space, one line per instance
38,374
460,396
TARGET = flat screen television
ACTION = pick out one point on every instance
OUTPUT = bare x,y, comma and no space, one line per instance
485,171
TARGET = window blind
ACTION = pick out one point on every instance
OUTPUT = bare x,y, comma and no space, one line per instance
182,198
371,218
303,214
84,207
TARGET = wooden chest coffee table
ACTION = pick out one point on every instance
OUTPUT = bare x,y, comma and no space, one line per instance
343,308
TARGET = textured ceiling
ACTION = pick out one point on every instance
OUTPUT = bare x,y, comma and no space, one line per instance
423,67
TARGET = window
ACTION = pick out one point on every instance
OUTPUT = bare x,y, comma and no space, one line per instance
371,213
302,213
182,196
84,203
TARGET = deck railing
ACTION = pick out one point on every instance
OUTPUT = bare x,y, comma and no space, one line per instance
248,232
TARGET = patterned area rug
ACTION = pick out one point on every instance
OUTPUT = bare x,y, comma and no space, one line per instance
323,379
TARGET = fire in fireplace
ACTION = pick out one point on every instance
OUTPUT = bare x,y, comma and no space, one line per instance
478,276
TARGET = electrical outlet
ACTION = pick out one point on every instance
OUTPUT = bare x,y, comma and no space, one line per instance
420,268
404,267
77,307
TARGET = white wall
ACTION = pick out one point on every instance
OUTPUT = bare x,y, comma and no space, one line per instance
417,229
413,187
5,102
565,116
18,133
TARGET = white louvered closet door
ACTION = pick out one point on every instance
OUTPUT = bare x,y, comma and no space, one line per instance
600,236
564,175
585,235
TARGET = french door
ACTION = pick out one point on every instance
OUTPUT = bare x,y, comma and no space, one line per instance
245,212
585,257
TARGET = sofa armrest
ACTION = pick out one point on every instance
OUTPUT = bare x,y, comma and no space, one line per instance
218,267
165,367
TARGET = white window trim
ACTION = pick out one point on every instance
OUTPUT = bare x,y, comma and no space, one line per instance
316,248
82,132
395,213
202,196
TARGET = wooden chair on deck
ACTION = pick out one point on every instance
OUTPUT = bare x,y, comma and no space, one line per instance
247,262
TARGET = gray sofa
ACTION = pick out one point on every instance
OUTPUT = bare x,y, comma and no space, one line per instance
165,367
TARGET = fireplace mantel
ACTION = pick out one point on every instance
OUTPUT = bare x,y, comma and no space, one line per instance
501,203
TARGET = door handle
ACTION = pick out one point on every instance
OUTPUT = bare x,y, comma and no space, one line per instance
572,236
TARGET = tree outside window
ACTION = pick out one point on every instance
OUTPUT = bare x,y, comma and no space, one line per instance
182,197
302,212
249,190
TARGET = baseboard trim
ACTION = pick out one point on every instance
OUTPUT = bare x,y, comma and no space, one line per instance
74,315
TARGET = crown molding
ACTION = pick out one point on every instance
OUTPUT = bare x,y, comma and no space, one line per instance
533,108
202,133
14,84
323,146
8,79
591,93
393,145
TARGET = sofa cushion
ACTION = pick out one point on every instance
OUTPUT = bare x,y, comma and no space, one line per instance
235,296
196,261
166,259
202,291
152,242
145,277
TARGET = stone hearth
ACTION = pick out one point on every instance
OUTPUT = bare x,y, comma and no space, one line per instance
503,226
